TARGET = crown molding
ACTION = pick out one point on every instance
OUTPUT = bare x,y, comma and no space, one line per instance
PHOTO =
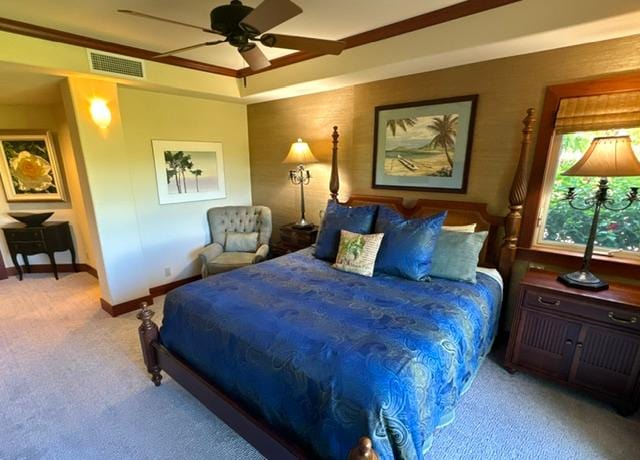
432,18
45,33
449,13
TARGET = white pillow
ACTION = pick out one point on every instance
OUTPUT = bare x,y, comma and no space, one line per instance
460,228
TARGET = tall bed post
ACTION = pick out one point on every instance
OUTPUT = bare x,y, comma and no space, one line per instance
334,182
517,196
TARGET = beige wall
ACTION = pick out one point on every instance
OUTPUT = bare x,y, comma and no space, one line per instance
141,243
50,117
506,88
172,234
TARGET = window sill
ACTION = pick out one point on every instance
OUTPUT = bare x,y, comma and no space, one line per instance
626,268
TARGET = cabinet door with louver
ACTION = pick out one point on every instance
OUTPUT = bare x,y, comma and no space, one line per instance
607,361
546,342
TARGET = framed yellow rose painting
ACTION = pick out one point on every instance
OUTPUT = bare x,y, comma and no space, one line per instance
29,168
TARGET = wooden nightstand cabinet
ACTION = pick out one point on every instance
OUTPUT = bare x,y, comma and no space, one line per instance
48,238
293,239
584,339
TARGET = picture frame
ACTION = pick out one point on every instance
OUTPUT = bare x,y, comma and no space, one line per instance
188,171
30,170
424,145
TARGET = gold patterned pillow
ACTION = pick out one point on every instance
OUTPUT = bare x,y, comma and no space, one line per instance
357,253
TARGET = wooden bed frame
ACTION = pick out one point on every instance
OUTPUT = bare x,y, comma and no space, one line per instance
499,252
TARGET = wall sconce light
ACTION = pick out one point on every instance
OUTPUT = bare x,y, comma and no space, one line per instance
100,113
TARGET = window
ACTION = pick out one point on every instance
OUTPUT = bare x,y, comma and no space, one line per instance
560,226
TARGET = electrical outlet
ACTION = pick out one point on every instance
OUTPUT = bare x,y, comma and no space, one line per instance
167,271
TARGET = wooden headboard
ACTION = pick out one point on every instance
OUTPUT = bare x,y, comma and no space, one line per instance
500,247
458,213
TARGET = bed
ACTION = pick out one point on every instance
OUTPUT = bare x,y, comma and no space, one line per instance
302,360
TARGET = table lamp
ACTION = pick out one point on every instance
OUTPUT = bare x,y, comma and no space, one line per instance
300,154
606,157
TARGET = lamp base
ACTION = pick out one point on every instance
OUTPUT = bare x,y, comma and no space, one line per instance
583,280
303,223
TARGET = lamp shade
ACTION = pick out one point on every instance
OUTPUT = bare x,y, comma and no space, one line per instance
607,157
300,153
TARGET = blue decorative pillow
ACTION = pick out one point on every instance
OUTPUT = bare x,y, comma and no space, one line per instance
456,255
359,219
408,244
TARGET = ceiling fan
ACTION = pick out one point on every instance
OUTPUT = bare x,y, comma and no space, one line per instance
241,26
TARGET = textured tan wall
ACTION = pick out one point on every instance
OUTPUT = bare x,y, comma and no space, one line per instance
506,88
274,126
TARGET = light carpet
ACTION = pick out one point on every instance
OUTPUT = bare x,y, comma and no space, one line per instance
73,386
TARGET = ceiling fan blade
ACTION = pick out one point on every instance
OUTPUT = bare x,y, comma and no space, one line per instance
292,42
170,21
187,48
269,14
254,57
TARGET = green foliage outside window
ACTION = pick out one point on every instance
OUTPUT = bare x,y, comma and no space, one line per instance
616,229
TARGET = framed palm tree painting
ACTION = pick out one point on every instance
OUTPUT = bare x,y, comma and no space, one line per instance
424,145
188,171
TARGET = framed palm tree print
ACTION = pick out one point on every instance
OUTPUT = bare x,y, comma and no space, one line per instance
188,171
424,145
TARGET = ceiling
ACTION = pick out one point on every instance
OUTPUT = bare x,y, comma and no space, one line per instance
330,19
24,87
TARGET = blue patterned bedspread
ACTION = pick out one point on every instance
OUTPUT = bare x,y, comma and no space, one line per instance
326,357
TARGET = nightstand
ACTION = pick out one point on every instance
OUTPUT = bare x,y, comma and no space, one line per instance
293,239
46,238
583,339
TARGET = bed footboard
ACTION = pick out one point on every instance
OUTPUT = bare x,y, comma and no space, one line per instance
271,445
148,332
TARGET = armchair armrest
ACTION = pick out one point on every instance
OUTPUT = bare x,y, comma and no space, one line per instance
208,253
261,253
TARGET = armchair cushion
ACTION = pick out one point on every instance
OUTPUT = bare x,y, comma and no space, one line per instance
241,242
229,261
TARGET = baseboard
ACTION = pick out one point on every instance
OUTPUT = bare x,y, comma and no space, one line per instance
125,307
155,291
48,268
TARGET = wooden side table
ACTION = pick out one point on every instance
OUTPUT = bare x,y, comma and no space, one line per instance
45,239
293,239
583,339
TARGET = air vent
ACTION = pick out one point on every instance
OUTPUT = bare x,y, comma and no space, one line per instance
114,64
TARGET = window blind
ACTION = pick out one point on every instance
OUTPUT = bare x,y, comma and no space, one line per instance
604,111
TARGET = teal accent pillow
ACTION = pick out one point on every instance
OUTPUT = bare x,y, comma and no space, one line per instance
456,255
241,242
408,244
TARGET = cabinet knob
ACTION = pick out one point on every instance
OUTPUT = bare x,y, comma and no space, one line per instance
568,342
579,344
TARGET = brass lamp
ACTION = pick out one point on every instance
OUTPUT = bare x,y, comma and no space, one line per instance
300,154
606,157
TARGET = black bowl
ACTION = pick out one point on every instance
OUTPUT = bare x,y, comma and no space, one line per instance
31,219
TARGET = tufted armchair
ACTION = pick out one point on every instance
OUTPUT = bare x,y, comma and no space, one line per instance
232,220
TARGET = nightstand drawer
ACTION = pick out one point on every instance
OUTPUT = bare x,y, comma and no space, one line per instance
24,235
35,247
298,237
567,304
